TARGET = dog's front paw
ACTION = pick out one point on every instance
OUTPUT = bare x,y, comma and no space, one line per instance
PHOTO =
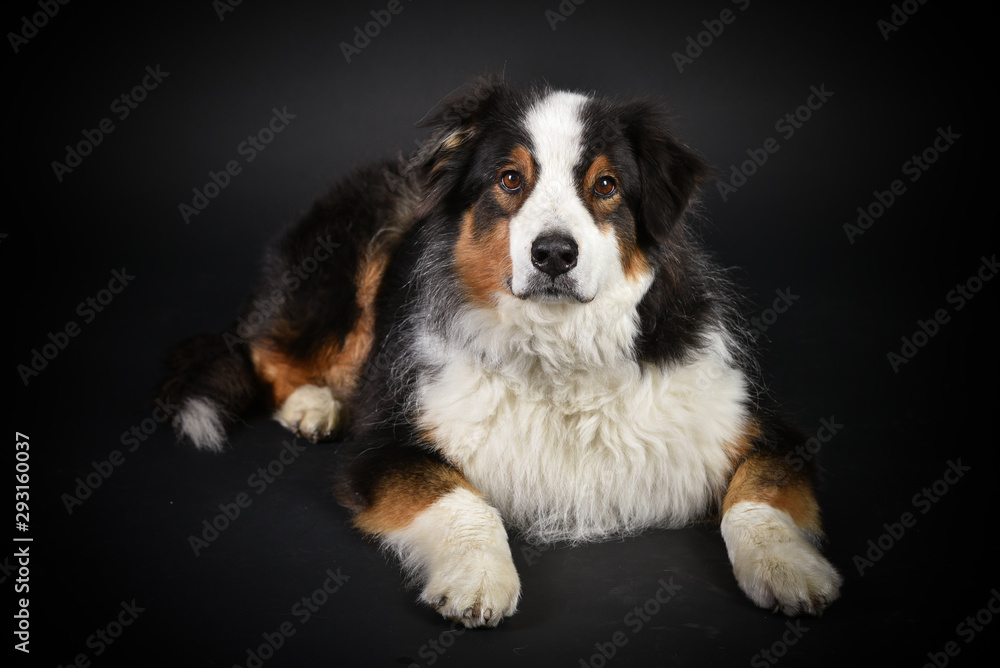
457,549
310,412
791,577
480,590
775,564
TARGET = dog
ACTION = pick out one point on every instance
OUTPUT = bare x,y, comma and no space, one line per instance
516,327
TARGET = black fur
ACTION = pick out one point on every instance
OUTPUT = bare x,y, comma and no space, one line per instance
298,312
206,366
412,211
319,306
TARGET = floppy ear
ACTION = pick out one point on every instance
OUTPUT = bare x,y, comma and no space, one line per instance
455,124
669,172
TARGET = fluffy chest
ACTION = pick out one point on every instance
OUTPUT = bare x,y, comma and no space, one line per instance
588,453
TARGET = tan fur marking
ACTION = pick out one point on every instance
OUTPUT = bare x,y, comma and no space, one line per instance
403,494
521,162
483,264
448,146
633,261
521,158
283,374
602,206
343,363
742,446
336,365
768,479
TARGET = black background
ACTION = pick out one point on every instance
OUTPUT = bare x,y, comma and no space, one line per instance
825,356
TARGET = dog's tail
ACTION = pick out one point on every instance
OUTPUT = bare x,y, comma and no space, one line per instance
213,383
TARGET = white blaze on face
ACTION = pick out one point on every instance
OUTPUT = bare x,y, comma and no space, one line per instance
556,206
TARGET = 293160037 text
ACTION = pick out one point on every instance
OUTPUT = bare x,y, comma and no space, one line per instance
22,466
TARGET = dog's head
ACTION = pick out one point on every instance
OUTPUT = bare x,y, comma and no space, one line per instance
559,196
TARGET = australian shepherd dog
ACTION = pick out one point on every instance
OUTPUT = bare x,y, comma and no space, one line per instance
515,329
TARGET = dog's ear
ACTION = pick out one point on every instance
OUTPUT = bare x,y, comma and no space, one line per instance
670,173
455,123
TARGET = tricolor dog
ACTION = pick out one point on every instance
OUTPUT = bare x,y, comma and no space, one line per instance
515,329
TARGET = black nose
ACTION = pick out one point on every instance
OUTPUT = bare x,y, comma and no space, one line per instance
555,254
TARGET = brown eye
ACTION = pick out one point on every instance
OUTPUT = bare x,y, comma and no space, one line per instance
510,180
605,186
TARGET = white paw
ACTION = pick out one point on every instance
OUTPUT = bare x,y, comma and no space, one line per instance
458,549
775,564
311,412
480,589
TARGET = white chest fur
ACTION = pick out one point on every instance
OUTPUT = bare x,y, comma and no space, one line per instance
581,453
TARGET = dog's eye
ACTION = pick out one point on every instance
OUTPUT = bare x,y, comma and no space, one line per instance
510,180
605,186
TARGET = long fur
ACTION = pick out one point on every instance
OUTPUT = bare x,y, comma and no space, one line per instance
518,326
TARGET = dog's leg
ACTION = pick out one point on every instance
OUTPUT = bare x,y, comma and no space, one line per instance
771,527
447,537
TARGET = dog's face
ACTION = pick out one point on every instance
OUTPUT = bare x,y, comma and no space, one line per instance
560,196
570,232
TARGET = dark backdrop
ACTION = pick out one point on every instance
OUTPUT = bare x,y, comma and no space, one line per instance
113,576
